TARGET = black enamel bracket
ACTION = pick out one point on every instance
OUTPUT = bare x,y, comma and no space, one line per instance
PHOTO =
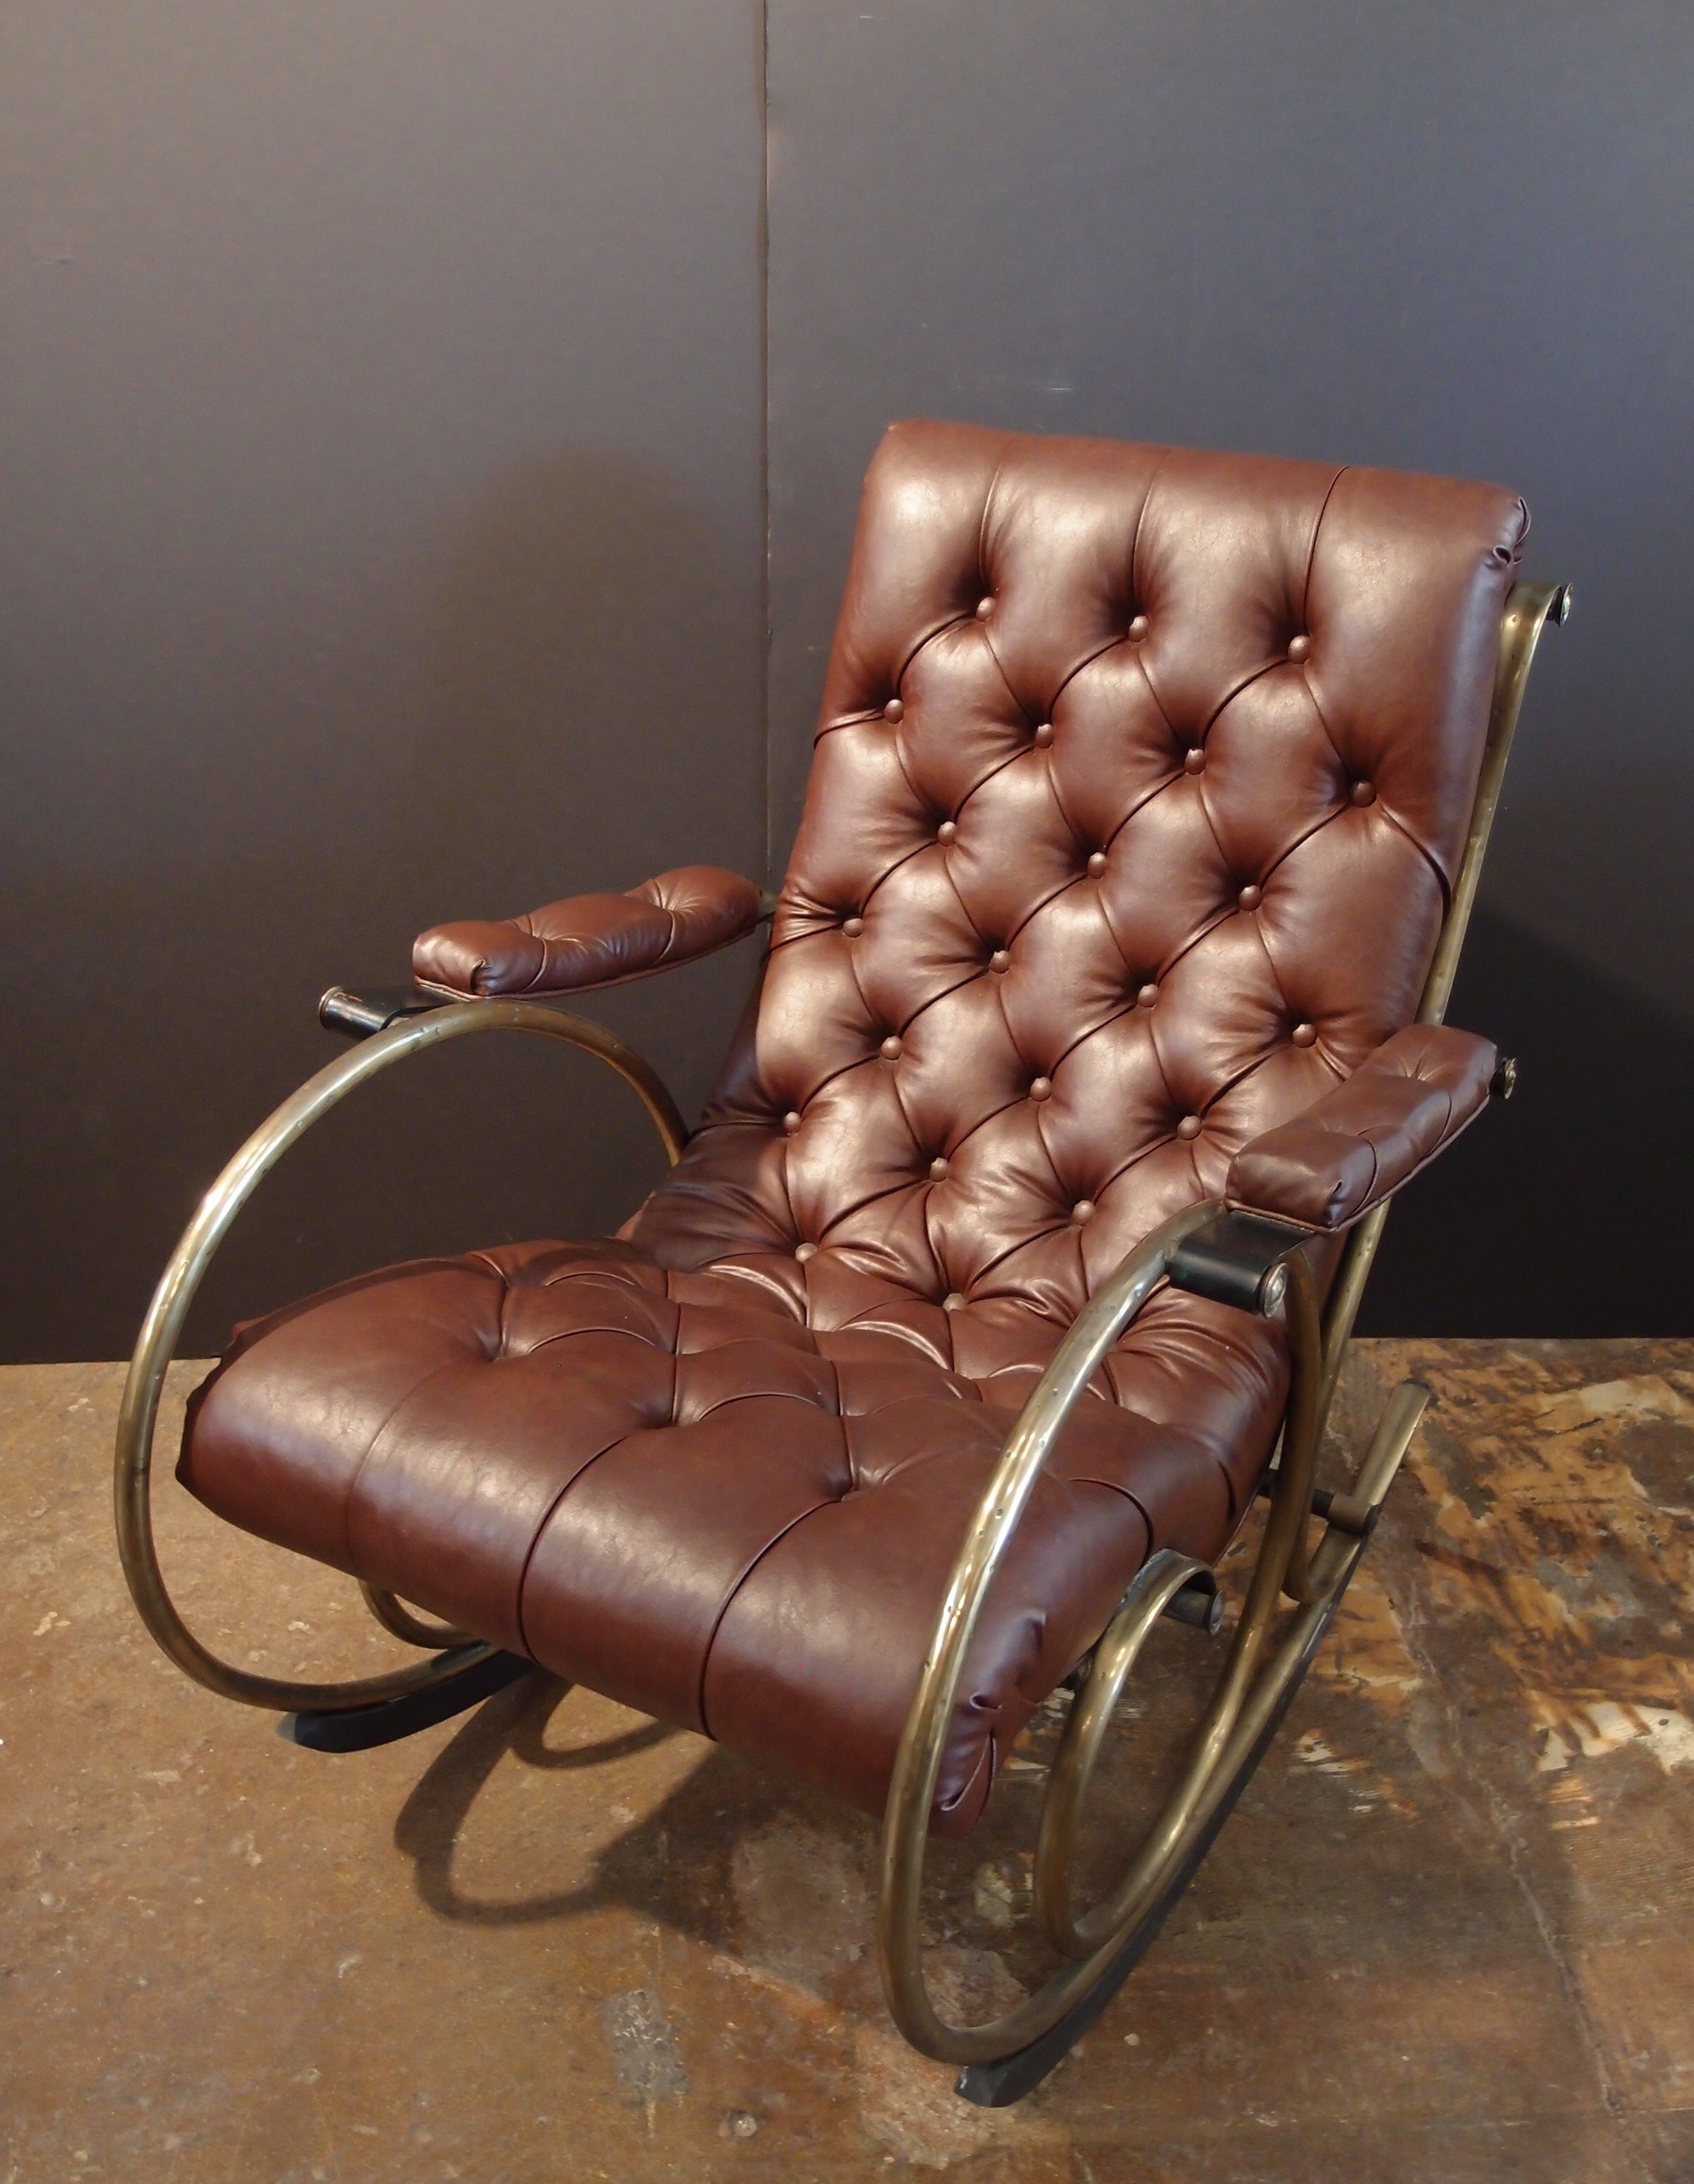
360,1016
1234,1258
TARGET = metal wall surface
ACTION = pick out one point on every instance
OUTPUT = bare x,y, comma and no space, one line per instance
1437,237
381,541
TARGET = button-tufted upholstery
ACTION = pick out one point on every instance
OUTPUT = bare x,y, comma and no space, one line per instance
1139,791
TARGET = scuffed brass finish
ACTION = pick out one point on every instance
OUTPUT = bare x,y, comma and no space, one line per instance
1528,609
160,1331
395,1617
1282,1564
918,1761
1151,1593
1250,1689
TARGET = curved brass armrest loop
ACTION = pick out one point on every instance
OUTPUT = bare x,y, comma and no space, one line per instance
918,1762
1155,1586
161,1330
399,1621
1282,1565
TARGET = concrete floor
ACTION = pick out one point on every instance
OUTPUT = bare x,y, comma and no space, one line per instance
1449,1934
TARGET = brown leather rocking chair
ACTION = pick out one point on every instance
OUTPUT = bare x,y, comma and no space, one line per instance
1020,1245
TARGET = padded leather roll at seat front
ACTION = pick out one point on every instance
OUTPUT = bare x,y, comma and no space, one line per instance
1138,794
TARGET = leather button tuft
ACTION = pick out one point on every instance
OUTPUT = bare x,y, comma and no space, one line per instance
1363,794
1044,734
999,960
1042,1089
891,1049
852,926
1195,762
791,1121
984,608
1250,897
1189,1126
1300,648
1304,1035
939,1169
1083,1211
947,831
1096,864
894,710
1148,996
953,1302
1137,629
805,1251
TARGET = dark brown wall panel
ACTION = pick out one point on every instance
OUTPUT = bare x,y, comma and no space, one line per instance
1449,238
382,540
382,534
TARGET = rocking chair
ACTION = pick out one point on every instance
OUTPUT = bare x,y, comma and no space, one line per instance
1019,1246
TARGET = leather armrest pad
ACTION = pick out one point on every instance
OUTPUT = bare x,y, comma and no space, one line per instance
590,940
1357,1144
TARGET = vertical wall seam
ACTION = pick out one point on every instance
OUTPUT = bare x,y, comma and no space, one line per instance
768,770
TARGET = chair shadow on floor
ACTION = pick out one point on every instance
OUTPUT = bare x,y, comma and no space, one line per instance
765,1868
783,1878
655,1868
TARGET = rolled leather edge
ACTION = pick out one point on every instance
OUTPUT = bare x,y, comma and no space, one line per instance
1360,1143
589,940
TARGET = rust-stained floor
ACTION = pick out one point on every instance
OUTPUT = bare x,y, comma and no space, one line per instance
1449,1934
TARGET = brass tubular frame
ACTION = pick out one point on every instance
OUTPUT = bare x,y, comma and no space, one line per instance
398,1620
163,1326
1528,609
1153,1588
1282,1561
918,1761
1248,1697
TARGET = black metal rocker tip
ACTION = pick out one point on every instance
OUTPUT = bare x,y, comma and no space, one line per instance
361,1728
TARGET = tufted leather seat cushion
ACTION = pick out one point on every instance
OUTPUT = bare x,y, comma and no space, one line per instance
1139,792
730,1498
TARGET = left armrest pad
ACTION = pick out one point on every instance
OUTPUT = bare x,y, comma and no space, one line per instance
1359,1143
590,940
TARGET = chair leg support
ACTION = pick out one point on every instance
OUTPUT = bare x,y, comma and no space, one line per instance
1006,2058
361,1728
1007,2079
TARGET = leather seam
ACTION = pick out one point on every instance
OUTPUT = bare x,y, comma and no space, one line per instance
1187,947
952,622
971,976
547,1515
754,1396
1454,1132
531,991
1110,644
1312,549
388,1419
1154,476
739,1587
1253,675
988,503
1328,819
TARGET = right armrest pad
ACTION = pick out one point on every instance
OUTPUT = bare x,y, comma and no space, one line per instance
1360,1142
589,940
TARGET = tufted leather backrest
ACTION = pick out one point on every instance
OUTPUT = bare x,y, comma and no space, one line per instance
1140,788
